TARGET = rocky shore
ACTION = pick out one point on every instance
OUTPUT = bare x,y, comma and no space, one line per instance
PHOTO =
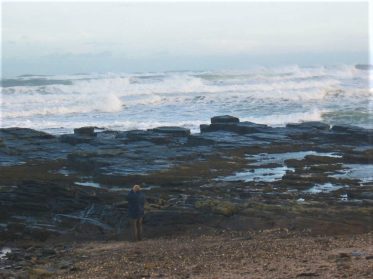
309,179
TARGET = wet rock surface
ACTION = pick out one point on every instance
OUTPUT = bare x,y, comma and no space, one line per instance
233,175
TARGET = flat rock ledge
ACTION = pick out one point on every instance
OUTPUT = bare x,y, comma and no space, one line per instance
232,175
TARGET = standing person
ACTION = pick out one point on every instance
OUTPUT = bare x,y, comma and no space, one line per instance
136,200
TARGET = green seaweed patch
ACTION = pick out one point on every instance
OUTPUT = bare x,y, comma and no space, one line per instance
200,170
260,209
279,148
2,143
43,171
314,159
225,208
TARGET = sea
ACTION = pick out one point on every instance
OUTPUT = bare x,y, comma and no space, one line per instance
274,96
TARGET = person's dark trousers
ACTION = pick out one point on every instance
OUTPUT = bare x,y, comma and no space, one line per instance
136,226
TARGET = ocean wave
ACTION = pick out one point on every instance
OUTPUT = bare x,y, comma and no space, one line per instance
263,95
51,106
283,119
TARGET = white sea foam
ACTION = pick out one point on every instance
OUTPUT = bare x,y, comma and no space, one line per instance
108,95
273,96
282,119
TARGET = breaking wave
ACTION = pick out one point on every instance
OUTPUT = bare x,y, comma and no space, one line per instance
273,96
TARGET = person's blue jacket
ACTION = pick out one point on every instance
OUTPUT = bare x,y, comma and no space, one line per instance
136,202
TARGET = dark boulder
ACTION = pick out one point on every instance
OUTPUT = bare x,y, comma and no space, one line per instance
74,139
107,135
352,133
309,125
198,141
85,131
224,119
177,131
204,128
348,129
240,128
365,67
134,135
150,136
250,127
24,133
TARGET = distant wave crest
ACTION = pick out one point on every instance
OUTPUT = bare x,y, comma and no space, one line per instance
273,96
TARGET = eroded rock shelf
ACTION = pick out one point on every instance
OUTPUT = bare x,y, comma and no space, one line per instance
233,174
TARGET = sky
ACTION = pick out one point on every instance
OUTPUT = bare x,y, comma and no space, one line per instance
66,37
